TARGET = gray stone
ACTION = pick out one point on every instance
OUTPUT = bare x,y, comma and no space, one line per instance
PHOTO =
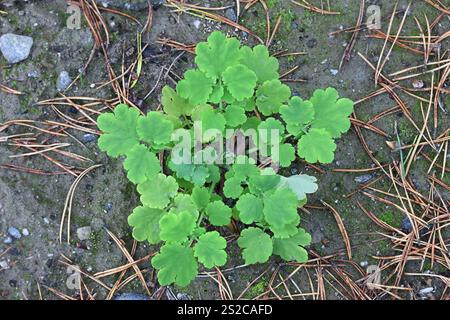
14,232
63,81
8,240
131,296
84,233
364,178
15,48
25,232
231,14
4,264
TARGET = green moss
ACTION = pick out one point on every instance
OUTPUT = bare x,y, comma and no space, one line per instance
256,289
271,3
391,219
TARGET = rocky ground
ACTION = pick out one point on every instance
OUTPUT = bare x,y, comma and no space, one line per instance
41,56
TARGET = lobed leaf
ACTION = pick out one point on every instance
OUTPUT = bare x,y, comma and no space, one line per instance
209,250
291,249
317,146
260,62
155,129
219,214
256,244
240,81
141,164
175,264
156,193
145,223
119,130
195,87
331,113
271,96
177,227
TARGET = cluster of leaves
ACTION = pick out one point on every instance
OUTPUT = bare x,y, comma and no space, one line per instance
231,88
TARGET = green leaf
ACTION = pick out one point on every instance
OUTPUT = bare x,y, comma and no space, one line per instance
210,119
155,128
235,116
217,54
209,250
251,123
271,96
218,213
176,227
250,208
259,184
232,188
156,193
291,249
301,184
317,146
280,207
331,113
141,164
216,95
184,202
195,173
240,81
175,264
201,197
260,62
256,244
173,104
196,87
119,130
145,223
287,230
287,154
297,114
269,129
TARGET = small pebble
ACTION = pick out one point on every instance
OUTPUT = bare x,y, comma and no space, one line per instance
8,240
108,207
4,264
334,71
14,232
364,264
426,290
84,233
197,24
89,137
406,225
131,296
25,232
46,220
231,14
364,178
63,81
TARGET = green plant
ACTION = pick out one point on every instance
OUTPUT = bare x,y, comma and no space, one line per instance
234,91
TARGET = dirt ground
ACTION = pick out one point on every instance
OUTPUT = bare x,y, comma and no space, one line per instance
104,197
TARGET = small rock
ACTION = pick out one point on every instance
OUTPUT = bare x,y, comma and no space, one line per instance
13,283
183,296
25,232
108,207
231,14
89,137
46,221
4,264
418,84
334,71
425,291
84,233
131,296
15,48
364,178
63,81
8,240
364,264
33,74
197,24
406,225
14,232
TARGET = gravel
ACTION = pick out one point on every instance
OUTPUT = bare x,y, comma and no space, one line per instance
63,81
14,232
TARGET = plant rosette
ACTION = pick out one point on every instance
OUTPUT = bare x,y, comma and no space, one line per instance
190,188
